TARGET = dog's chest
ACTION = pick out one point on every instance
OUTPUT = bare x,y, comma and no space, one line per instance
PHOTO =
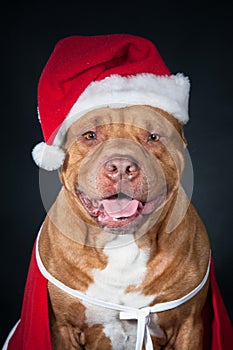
126,268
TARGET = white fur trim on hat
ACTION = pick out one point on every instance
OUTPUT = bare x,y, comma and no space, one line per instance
48,157
170,93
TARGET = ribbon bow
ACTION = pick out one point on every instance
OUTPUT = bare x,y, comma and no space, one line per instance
143,319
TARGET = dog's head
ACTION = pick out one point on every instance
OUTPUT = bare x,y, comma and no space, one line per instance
107,95
123,165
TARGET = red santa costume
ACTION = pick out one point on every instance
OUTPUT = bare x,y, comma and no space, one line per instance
82,74
32,331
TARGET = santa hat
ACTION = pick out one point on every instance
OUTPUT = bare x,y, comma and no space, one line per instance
88,72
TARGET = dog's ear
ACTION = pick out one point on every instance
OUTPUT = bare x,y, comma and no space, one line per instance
60,175
180,129
182,136
63,170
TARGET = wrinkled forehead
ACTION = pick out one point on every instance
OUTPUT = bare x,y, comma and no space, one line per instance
144,117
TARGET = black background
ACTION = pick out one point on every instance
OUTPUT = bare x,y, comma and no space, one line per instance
193,38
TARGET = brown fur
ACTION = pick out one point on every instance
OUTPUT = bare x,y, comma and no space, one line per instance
71,247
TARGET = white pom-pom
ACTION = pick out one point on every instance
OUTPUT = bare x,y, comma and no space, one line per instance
48,157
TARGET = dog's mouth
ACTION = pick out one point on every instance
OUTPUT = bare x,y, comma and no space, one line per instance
119,209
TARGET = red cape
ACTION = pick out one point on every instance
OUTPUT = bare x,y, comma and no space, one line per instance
33,330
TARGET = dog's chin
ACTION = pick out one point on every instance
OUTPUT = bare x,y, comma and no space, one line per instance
119,213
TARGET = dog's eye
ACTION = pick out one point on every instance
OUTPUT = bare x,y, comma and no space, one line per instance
90,135
154,137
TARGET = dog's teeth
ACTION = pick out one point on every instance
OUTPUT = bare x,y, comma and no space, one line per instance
87,201
95,203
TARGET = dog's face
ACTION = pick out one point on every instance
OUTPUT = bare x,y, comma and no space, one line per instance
123,164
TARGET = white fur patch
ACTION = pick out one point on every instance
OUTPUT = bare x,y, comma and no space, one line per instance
126,266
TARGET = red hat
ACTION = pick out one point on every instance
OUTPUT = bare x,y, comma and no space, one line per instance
88,72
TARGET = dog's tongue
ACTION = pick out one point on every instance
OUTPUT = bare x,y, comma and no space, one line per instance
120,207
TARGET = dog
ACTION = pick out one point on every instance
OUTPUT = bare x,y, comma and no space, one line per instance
122,260
114,232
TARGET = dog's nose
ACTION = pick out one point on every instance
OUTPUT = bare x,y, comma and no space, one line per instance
121,168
